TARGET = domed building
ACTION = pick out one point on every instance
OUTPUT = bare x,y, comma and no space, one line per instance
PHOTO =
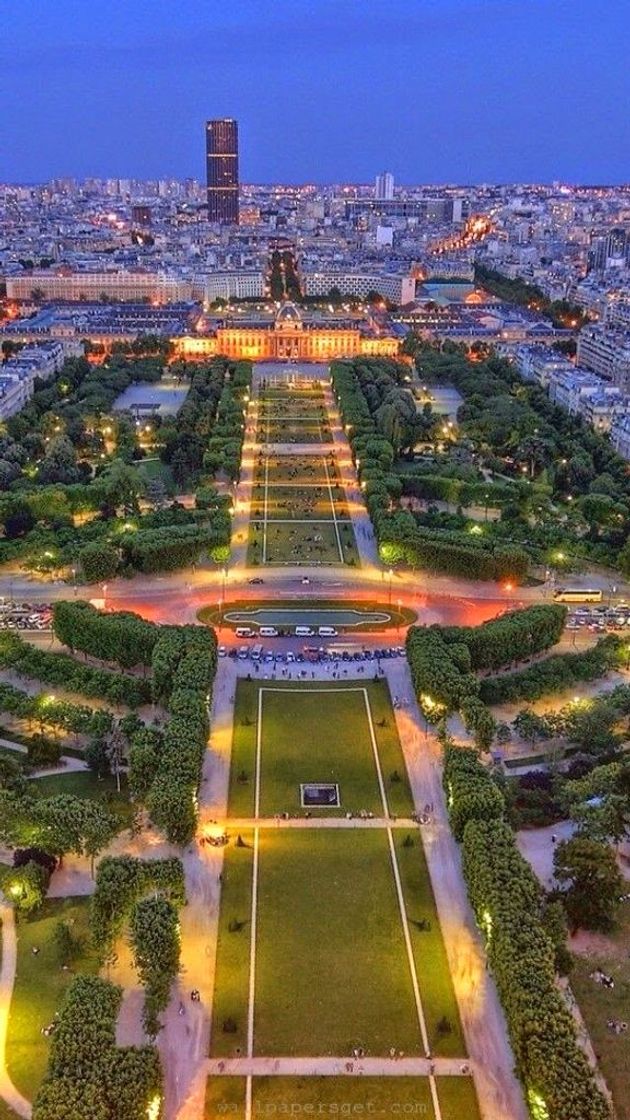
290,337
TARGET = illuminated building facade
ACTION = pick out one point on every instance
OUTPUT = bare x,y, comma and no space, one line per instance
288,338
222,171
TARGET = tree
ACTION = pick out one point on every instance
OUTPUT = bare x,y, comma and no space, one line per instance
99,562
587,870
603,818
26,886
120,486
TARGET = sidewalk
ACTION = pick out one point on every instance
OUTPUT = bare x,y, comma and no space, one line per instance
500,1094
8,1092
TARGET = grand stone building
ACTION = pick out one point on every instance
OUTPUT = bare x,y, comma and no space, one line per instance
290,338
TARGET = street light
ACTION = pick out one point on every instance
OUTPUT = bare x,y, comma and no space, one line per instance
390,573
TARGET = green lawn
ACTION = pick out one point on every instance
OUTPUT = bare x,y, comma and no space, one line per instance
40,985
332,971
83,783
599,1004
296,470
342,1096
298,503
298,746
310,429
434,977
231,988
303,544
150,469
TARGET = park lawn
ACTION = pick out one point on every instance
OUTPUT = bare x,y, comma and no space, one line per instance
232,967
83,783
312,503
150,469
225,1096
346,1096
307,544
434,977
40,985
458,1098
331,967
599,1004
277,430
342,1096
243,755
399,617
310,738
296,470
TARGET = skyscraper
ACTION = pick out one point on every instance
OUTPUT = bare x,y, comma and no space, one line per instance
222,171
384,186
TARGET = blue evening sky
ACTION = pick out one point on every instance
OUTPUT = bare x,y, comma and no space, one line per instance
324,90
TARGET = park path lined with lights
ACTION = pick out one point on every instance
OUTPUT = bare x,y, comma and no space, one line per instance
8,1092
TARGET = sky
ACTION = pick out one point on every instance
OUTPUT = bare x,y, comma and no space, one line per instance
461,91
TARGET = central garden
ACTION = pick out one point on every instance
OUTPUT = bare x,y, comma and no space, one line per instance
299,513
297,415
329,927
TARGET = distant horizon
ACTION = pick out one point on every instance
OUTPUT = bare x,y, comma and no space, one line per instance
523,91
367,183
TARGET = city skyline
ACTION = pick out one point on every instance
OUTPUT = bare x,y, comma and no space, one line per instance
125,92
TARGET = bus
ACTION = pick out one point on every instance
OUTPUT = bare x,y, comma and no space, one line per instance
578,595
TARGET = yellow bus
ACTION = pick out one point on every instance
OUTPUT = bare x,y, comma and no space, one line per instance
578,595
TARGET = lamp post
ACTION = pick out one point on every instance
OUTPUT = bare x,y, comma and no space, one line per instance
389,601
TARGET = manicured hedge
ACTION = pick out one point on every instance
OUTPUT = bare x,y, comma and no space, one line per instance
508,904
554,674
119,636
145,896
88,1076
64,672
442,659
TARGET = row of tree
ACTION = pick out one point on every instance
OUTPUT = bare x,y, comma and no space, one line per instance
444,659
88,1075
510,909
164,769
143,897
224,448
121,637
553,674
63,671
48,711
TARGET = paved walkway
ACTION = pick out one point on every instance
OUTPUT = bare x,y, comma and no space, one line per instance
232,824
361,524
338,1067
185,1040
8,1092
500,1094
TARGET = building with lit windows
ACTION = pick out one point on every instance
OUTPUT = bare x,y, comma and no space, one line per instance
66,284
289,337
222,171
